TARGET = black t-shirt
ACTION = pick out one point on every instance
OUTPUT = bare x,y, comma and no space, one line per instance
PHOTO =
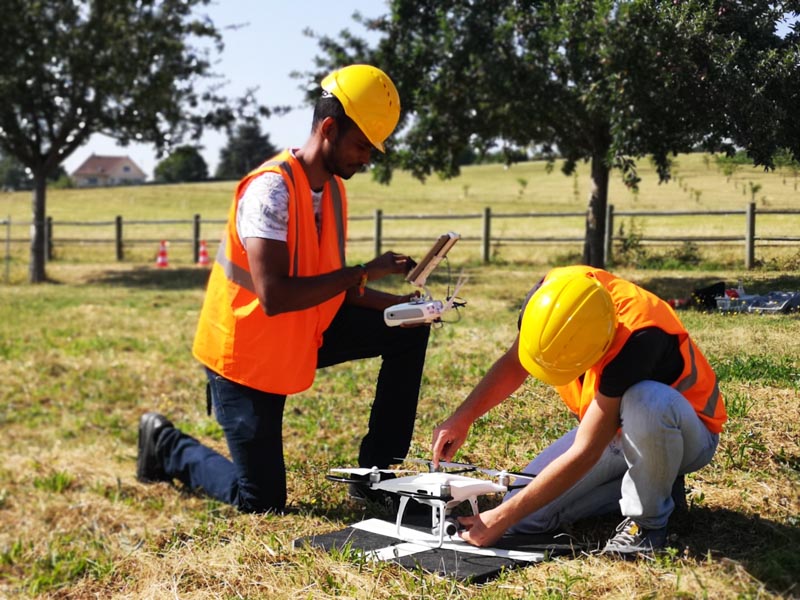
649,354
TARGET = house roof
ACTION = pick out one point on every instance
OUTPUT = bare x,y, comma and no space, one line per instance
105,165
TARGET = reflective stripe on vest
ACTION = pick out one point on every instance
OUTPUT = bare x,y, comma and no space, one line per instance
684,384
235,337
638,309
234,272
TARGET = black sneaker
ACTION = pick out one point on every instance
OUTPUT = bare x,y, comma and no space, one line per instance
383,503
631,540
378,501
148,467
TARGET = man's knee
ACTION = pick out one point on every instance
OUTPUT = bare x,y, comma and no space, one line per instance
650,404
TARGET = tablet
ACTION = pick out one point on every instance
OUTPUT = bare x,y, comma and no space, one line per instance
419,274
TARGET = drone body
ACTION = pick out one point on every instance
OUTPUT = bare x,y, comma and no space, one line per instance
442,491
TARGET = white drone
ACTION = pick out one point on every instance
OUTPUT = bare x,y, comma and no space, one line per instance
425,309
441,490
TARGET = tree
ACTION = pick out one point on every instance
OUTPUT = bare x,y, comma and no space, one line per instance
184,164
127,69
588,80
14,177
246,149
12,174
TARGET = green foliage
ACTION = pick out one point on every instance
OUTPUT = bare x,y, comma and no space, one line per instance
590,80
132,70
15,176
183,165
766,368
57,482
246,149
12,174
630,250
738,405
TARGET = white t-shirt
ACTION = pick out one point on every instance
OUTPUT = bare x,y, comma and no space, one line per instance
263,211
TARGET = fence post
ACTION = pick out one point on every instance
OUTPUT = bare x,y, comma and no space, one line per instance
196,239
48,238
118,236
750,236
609,234
487,233
378,231
8,249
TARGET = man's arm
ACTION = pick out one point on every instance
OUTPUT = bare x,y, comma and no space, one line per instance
504,377
377,299
595,432
279,293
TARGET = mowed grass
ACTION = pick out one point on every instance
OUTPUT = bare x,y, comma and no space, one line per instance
83,357
525,188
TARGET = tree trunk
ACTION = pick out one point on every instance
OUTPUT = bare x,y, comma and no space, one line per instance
38,229
593,246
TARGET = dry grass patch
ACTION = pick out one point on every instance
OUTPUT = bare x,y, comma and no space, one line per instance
83,359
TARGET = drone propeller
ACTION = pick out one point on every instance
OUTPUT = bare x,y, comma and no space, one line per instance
464,467
363,471
363,474
508,478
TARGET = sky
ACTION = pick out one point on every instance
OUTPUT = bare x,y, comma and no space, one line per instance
262,54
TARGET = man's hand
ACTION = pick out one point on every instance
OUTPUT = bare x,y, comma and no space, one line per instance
388,263
447,439
483,529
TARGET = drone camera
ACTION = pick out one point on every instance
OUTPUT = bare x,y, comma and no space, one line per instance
451,526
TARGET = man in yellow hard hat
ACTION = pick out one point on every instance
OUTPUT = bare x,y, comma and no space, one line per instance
647,401
282,302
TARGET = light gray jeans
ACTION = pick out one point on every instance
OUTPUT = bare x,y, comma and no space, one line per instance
661,437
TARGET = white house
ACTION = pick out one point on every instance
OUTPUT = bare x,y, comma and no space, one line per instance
99,171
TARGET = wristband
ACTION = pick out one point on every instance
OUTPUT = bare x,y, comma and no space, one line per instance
362,283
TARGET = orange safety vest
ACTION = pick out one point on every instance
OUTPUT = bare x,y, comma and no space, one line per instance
235,338
636,309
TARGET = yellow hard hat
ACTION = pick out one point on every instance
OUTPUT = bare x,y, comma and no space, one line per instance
369,98
567,326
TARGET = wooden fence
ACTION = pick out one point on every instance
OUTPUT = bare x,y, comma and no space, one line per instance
748,239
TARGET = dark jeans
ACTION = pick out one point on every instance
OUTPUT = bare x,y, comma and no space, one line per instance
255,479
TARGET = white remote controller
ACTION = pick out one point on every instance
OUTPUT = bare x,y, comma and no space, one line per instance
416,312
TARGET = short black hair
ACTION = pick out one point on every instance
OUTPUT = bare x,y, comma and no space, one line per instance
329,106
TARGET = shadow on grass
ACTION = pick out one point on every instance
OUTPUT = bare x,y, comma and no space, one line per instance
768,550
162,279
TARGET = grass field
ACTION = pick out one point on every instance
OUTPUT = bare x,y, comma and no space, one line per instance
81,358
697,185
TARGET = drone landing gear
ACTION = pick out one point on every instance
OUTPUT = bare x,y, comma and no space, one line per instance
441,522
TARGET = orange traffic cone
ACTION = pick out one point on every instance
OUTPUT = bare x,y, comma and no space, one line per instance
202,255
161,259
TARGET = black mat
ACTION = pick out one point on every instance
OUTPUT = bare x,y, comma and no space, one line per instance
454,559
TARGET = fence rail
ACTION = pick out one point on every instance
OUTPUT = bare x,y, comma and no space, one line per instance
114,231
